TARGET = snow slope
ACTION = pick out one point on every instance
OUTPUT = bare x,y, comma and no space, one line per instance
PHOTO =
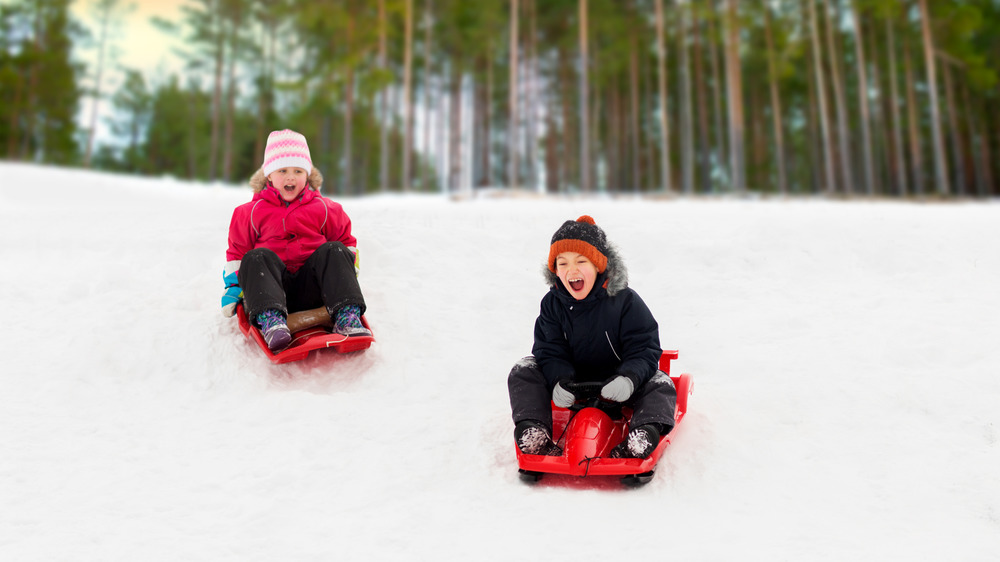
846,406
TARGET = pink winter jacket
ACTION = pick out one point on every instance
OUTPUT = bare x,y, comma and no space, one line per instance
293,230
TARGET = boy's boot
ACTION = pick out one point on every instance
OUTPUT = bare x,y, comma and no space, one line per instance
348,322
533,439
275,331
638,444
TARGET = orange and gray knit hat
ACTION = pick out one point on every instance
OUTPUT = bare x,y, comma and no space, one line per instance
584,237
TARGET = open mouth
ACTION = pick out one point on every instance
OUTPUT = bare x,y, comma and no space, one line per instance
289,188
575,284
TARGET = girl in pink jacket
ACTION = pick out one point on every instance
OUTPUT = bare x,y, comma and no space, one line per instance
290,248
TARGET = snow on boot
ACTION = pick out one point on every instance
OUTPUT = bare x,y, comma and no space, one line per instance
348,322
533,439
638,444
275,331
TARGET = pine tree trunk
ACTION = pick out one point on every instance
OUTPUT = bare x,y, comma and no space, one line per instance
940,160
213,153
901,174
553,177
614,151
531,103
636,151
16,111
512,137
264,93
718,91
916,157
687,121
441,132
570,152
758,138
193,120
650,154
704,145
840,103
584,100
229,118
484,119
102,40
594,122
455,141
29,135
428,95
661,59
512,126
235,22
814,134
880,142
737,156
349,183
985,150
866,133
490,119
975,141
408,98
383,101
776,109
829,183
957,152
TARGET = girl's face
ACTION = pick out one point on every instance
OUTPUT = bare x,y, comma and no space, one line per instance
290,182
577,274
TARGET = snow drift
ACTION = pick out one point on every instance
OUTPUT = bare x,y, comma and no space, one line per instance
846,384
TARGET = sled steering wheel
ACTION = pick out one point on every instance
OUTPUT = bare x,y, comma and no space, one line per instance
588,395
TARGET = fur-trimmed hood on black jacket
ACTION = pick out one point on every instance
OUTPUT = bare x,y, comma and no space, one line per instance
610,332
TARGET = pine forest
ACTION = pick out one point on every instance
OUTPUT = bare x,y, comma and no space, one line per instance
835,98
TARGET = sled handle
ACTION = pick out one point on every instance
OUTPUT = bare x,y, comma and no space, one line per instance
665,359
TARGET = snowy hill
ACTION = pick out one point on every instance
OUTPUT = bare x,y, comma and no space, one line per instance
846,406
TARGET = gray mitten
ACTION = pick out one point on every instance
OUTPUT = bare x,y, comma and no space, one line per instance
618,389
562,397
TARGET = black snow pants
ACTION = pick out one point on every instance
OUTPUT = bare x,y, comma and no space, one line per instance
531,397
327,278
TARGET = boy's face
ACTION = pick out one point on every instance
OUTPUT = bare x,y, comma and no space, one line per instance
577,274
289,182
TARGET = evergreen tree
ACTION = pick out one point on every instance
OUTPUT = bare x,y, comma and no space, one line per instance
133,103
37,71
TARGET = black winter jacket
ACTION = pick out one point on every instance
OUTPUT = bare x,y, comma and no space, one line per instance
609,333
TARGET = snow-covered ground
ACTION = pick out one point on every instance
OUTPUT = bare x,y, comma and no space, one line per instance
846,405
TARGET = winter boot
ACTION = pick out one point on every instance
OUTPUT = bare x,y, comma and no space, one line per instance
275,331
638,444
348,322
533,439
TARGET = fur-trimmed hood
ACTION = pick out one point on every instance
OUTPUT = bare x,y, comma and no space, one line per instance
616,273
259,181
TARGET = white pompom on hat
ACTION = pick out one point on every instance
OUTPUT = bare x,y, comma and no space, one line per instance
286,149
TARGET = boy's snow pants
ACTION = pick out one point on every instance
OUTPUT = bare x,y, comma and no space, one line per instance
327,278
531,398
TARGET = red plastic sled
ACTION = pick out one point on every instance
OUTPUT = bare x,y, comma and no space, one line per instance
304,341
592,434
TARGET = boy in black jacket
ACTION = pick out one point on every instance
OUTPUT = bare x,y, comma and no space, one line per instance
592,327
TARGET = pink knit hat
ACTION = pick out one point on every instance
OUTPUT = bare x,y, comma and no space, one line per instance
286,149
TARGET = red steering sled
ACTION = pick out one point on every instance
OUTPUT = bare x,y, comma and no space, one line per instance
587,433
304,340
